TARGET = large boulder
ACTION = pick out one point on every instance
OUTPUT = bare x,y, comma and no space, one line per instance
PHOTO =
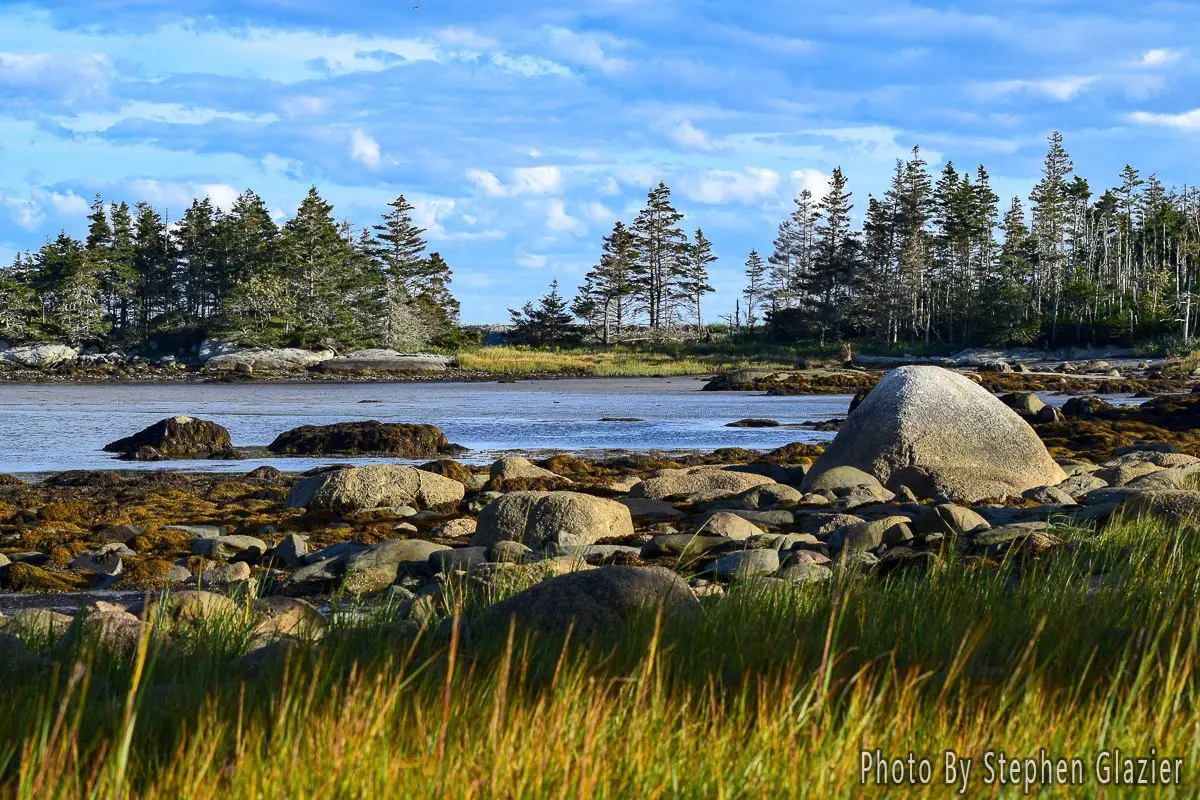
1176,507
267,360
345,491
595,601
175,438
39,356
562,518
941,435
386,361
378,566
701,480
363,438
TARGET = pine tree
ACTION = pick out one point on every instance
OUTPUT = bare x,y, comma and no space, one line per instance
693,279
19,307
1050,214
412,280
604,300
152,264
194,245
660,244
547,322
314,252
836,262
791,260
756,287
119,281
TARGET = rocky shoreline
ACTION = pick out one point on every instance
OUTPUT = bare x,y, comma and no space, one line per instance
883,498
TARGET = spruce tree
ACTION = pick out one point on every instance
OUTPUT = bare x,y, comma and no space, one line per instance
157,293
314,252
604,300
660,244
548,322
836,262
756,287
693,279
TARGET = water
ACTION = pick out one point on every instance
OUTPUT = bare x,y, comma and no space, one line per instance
47,428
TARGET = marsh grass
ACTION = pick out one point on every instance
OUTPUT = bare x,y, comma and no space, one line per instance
773,693
597,363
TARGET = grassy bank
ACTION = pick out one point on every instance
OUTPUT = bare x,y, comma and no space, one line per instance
774,693
608,363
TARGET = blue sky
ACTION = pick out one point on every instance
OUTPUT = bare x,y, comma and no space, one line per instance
521,130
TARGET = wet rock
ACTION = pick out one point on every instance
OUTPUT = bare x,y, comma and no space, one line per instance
227,548
753,423
593,602
1085,407
363,438
374,486
98,562
562,518
290,551
175,438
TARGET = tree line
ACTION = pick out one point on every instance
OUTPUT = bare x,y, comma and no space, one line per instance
936,261
236,275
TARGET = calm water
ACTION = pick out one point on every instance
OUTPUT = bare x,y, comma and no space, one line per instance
58,427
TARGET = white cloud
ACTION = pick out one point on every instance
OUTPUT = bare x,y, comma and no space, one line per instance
717,187
23,211
1063,89
814,180
1159,57
303,105
558,220
531,261
588,49
175,197
609,187
166,113
465,37
524,181
600,213
67,204
687,135
71,78
1187,121
364,149
528,66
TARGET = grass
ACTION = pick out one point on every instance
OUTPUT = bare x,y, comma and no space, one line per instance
774,693
606,363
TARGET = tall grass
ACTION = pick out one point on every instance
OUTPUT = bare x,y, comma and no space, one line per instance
607,363
773,693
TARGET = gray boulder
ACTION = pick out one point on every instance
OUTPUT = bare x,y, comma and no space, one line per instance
700,480
515,467
378,566
374,486
386,361
746,564
940,434
731,526
537,519
39,356
595,601
281,359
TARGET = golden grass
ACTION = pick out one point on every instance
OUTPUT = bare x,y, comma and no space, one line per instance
524,361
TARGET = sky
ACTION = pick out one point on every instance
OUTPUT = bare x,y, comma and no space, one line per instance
522,130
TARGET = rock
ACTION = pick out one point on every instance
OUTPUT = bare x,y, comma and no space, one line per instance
509,552
364,438
378,566
949,518
458,528
461,558
265,473
1024,402
728,525
38,622
822,524
806,573
1047,415
1078,485
1176,507
223,576
675,482
517,468
869,535
318,577
175,438
376,360
290,552
374,486
643,508
1174,478
746,564
1122,473
1049,496
120,533
98,563
604,600
753,423
187,606
561,518
1085,407
287,616
940,434
685,545
283,359
227,548
39,356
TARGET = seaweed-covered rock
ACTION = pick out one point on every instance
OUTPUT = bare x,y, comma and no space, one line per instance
363,438
175,438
